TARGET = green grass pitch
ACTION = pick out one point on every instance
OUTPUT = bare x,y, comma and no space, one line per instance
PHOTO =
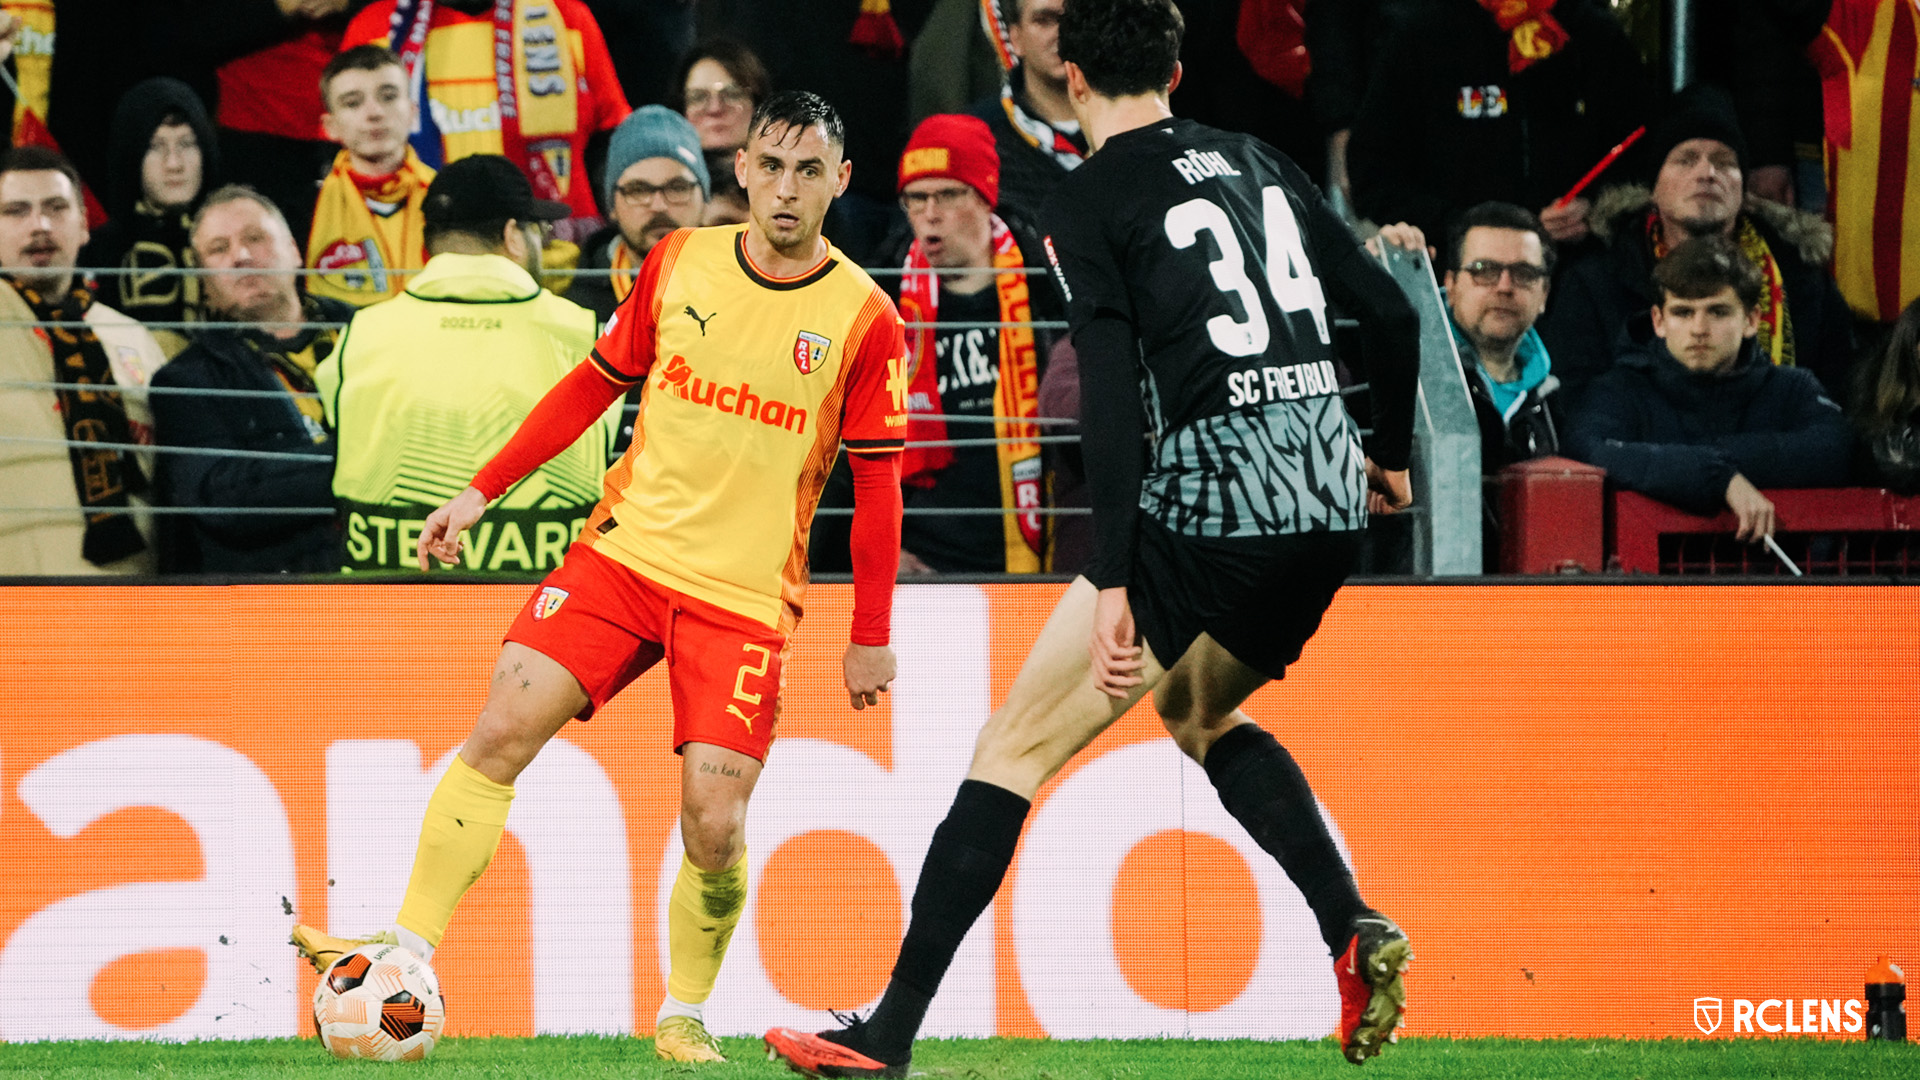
592,1058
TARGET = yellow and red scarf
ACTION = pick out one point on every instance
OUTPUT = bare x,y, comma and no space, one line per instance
1016,397
1776,325
364,252
1534,34
536,92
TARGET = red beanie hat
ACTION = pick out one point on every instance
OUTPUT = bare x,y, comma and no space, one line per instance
957,147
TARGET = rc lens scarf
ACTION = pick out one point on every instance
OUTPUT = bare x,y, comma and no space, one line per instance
1015,399
1534,33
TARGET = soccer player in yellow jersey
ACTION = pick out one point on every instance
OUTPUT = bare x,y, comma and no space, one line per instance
761,350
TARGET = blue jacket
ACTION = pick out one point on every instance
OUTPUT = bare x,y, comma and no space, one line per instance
1663,431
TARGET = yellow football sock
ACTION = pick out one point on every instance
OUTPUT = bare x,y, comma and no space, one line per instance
465,818
706,907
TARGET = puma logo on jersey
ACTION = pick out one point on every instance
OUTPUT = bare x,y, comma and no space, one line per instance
1197,165
695,316
679,380
744,718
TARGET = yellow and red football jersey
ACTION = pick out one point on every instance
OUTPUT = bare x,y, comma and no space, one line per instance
752,384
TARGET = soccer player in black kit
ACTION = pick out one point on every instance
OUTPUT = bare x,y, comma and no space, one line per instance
1229,491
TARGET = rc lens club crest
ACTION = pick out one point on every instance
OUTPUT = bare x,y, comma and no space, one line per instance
810,351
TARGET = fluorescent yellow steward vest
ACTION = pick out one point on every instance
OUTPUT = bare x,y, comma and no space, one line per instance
424,390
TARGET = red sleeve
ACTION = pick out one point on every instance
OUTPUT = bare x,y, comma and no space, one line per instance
609,100
875,543
567,410
874,419
370,27
625,350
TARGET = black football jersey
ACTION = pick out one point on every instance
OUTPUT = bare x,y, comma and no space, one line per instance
1219,258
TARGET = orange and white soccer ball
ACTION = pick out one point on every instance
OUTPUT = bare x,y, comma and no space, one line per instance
380,1002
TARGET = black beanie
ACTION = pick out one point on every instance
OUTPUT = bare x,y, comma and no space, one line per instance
1701,111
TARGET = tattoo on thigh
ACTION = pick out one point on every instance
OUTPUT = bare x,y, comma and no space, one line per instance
720,770
526,684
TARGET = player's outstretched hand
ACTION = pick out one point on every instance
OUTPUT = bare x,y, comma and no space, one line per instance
440,536
869,670
1116,650
1389,491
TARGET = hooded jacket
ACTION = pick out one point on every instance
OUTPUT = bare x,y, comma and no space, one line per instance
1595,297
1663,431
249,543
142,236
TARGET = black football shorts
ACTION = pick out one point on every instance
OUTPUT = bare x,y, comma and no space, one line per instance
1260,598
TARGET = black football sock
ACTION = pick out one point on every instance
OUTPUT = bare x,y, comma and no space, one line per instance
1265,791
965,865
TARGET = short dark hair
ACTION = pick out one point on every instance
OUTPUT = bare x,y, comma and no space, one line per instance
741,62
42,159
1496,215
1123,47
797,109
1704,265
367,57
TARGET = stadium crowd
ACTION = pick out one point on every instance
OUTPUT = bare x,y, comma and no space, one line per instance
329,252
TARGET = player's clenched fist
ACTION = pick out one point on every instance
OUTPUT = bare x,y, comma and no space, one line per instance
869,670
440,536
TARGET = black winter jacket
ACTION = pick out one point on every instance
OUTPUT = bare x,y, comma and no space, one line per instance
1663,431
1445,125
1597,294
244,543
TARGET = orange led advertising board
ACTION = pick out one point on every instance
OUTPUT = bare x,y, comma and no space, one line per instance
1597,810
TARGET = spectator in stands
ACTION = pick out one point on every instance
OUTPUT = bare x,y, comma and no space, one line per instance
367,223
270,54
42,228
656,182
163,159
1887,406
428,386
1700,417
1502,260
949,185
1870,70
718,86
549,111
1034,130
1513,100
243,235
727,202
1696,155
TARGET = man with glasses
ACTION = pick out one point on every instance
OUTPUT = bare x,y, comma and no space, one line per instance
428,386
980,363
656,182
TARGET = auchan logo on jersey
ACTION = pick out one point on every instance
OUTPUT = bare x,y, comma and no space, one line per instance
679,380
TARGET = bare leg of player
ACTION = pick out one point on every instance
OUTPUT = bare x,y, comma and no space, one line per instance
708,895
530,697
1052,711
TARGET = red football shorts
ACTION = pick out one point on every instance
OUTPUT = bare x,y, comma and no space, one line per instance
608,624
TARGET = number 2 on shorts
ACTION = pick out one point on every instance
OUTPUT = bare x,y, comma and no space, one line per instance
740,691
